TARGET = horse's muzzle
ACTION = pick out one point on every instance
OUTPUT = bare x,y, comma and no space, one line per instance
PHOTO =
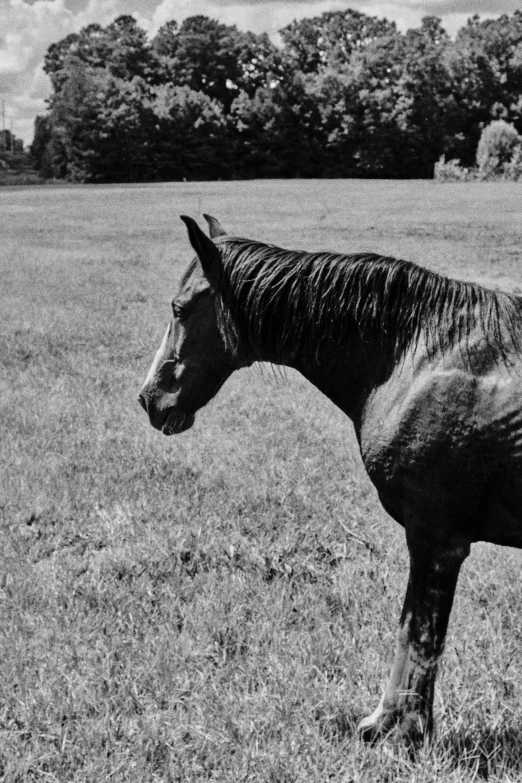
177,422
167,419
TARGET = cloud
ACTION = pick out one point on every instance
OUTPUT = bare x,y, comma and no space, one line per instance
466,7
258,16
297,3
28,30
454,13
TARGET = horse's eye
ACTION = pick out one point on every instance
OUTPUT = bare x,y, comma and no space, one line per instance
178,311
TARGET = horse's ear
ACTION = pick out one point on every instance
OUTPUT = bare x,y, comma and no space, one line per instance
216,229
208,253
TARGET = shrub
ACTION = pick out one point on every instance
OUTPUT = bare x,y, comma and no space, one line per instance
498,146
452,171
513,169
20,178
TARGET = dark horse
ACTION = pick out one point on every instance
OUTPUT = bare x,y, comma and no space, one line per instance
428,369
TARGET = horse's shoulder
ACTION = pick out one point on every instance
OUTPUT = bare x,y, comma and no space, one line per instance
423,409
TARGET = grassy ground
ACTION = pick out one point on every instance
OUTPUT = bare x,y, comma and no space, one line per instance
196,608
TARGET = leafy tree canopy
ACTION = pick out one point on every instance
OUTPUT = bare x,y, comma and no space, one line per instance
215,58
345,94
331,38
121,48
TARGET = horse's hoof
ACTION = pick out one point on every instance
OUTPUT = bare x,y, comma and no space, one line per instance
376,726
410,728
416,729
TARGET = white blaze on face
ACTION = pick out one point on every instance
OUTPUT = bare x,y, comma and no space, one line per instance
159,358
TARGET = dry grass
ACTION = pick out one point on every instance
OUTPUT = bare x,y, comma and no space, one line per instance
193,609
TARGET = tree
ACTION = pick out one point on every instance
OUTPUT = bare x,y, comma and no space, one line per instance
102,126
330,39
56,56
274,134
215,58
39,147
486,64
498,144
121,48
191,136
128,51
388,110
346,95
432,116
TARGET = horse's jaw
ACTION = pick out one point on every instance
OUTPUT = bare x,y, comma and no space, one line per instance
177,422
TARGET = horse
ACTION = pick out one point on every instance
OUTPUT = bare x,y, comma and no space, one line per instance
428,369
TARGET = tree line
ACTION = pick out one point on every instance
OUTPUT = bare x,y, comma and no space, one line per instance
344,95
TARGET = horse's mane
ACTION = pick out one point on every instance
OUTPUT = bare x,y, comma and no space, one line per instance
288,300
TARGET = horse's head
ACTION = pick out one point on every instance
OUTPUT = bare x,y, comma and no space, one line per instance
192,362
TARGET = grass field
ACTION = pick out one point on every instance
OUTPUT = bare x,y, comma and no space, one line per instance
220,606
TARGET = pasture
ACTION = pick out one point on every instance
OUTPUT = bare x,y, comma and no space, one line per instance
221,605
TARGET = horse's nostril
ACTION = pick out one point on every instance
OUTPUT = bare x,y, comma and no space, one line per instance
142,401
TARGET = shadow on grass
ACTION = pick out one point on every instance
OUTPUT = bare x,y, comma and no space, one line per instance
338,724
478,753
485,752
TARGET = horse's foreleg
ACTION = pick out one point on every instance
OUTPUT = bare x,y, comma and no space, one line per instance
408,700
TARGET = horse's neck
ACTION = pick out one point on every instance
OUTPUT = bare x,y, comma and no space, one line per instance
349,375
345,364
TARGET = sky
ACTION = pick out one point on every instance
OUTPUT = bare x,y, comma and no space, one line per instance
28,27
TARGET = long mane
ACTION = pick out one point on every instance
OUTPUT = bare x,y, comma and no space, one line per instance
288,301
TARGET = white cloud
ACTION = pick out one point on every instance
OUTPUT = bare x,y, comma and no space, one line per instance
406,14
28,32
259,16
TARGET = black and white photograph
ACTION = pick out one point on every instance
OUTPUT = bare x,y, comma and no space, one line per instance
260,391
